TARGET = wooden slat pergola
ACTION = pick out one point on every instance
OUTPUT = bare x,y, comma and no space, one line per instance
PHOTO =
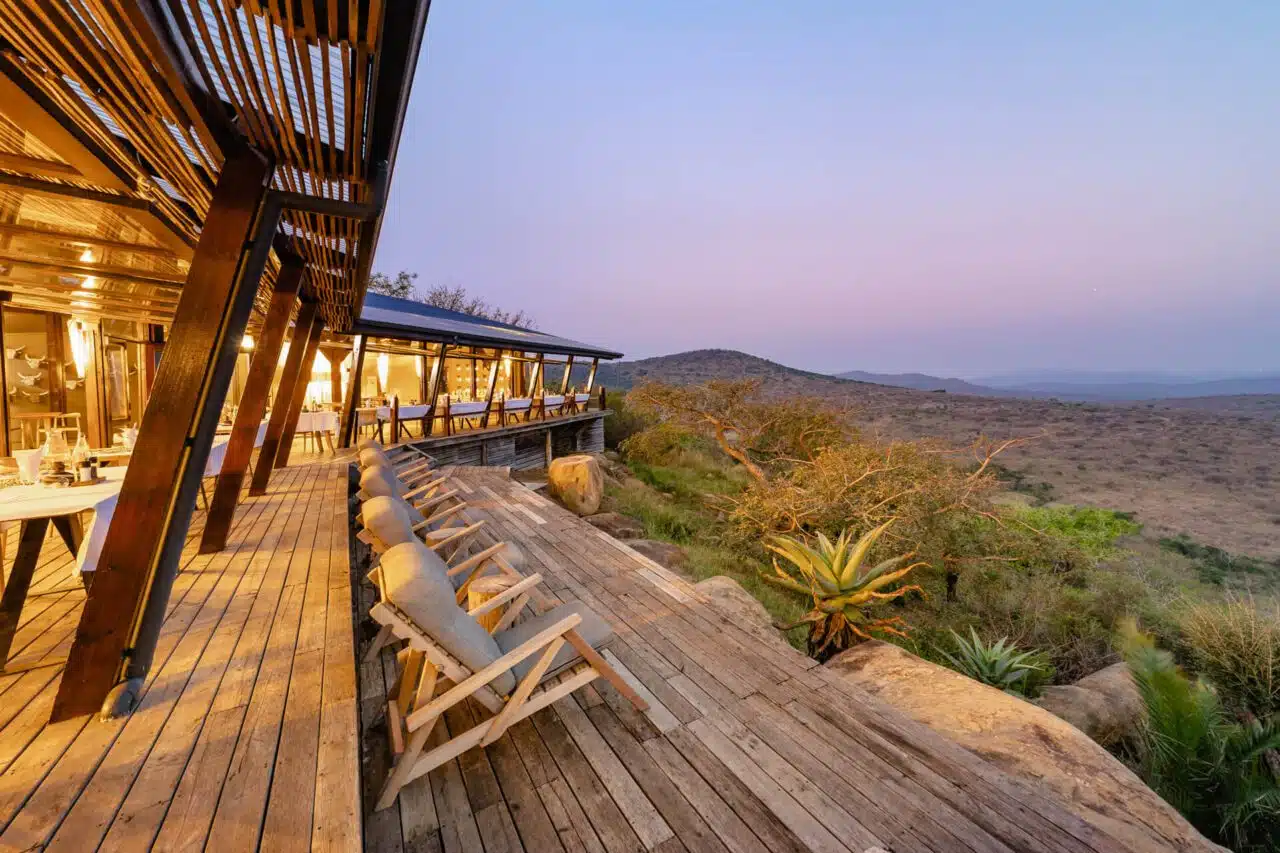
191,163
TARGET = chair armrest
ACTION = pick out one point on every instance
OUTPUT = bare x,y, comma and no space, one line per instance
425,487
470,685
507,594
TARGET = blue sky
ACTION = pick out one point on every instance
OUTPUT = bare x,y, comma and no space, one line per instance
938,186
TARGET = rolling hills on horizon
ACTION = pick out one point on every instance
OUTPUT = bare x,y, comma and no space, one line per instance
1206,466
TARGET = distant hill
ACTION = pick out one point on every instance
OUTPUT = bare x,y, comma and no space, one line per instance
685,368
1083,387
923,382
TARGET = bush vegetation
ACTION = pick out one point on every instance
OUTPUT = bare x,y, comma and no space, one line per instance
1210,766
1013,595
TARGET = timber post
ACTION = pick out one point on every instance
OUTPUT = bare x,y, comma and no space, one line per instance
564,380
493,385
352,403
299,394
253,404
433,392
284,396
124,608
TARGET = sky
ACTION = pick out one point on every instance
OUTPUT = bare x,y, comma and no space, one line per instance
886,186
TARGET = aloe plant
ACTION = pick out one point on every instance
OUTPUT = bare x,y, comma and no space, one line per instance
843,590
1000,664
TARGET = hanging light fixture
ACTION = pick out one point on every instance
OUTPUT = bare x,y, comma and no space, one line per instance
79,333
246,343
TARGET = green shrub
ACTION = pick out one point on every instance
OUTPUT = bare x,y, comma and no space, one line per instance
1092,529
1216,566
1210,768
657,445
624,421
1001,664
1236,646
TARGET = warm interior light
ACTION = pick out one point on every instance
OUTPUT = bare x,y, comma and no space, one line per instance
417,366
345,369
384,367
89,283
284,353
246,343
320,364
79,336
86,257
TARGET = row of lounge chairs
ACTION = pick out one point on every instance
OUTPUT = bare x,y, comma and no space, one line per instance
427,559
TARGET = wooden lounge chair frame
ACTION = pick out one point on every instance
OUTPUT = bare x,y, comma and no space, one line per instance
414,708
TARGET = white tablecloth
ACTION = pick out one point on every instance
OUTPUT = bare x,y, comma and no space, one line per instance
318,422
20,503
218,451
407,413
473,408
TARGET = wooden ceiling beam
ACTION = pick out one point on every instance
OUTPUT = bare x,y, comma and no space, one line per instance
129,274
141,209
27,232
37,166
30,109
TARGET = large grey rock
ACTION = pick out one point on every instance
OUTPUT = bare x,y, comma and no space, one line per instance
663,553
611,465
617,525
740,607
577,483
1104,705
1025,741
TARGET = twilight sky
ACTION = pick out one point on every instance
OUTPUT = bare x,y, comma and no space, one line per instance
938,186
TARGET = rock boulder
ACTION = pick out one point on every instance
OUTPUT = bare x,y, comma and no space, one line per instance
1025,741
740,607
577,483
617,525
1105,705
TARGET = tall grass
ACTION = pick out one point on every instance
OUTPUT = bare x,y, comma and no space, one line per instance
1236,645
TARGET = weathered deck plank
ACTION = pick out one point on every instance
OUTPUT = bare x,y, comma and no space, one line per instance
245,736
746,748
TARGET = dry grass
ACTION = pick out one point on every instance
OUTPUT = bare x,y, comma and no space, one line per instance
1236,646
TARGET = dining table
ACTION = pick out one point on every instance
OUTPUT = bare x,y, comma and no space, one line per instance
37,506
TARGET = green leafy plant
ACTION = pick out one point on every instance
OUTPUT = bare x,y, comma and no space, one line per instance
833,575
1000,664
1208,766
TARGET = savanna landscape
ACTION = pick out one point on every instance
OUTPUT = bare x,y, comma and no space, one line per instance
1040,547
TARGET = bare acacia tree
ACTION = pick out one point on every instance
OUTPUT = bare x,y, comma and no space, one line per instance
753,430
455,298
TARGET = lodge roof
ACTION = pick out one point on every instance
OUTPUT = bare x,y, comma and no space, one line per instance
115,121
406,319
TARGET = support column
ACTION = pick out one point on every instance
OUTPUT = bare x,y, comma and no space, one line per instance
97,425
564,380
336,356
5,449
490,388
353,392
125,605
299,393
289,377
253,404
591,376
433,391
151,352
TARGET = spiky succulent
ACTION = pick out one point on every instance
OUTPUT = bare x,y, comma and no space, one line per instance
1000,664
843,589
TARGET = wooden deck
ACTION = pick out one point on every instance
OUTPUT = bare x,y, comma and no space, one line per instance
746,747
245,736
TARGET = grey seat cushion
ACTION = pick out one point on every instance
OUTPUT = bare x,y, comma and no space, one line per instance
416,582
380,480
373,456
390,519
593,628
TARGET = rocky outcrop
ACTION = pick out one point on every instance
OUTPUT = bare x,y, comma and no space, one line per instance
616,524
663,553
577,483
1104,705
740,607
1025,741
611,465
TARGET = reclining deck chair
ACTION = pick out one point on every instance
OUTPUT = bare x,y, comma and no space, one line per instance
512,672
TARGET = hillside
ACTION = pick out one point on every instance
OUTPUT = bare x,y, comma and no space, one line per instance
1206,466
923,382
